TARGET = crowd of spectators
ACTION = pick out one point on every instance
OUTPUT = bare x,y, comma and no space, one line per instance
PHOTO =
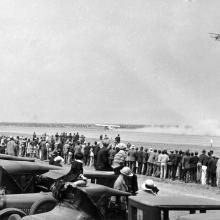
108,154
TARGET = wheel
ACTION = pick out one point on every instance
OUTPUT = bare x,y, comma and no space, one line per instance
14,217
5,213
43,205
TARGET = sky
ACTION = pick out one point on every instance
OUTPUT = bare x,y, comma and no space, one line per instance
100,61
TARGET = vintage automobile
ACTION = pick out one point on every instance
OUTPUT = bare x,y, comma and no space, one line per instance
22,204
91,202
22,176
146,206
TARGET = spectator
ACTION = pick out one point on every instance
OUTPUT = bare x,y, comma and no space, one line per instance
121,184
203,159
76,169
163,161
66,148
150,162
132,158
96,150
102,158
119,158
87,154
145,159
140,158
186,167
91,157
193,161
78,148
112,153
11,147
117,139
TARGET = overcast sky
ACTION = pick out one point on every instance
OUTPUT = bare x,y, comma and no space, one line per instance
119,61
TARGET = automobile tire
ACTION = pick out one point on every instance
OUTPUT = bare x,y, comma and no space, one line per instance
15,217
5,213
36,205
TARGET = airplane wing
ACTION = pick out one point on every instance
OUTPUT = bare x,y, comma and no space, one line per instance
109,126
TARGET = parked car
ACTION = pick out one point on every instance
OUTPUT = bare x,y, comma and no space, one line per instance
92,202
22,176
22,204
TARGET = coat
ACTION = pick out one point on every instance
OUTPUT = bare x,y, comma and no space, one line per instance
102,159
132,155
140,156
12,148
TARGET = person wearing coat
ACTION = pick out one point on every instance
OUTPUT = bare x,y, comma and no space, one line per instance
132,158
140,158
102,159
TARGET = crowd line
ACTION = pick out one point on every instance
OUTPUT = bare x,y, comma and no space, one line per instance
107,154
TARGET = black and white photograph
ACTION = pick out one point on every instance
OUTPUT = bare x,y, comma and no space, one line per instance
110,110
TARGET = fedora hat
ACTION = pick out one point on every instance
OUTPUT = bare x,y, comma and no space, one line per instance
148,185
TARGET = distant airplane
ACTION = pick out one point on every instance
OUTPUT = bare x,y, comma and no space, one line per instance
108,126
216,36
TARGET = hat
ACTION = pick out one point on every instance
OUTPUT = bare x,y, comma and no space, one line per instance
148,184
121,146
115,165
126,171
132,147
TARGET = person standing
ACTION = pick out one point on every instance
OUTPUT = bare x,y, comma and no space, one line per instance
91,156
122,184
132,158
119,158
112,153
78,148
150,162
117,139
163,163
193,161
96,150
11,147
140,158
86,154
66,148
145,159
102,158
186,167
203,159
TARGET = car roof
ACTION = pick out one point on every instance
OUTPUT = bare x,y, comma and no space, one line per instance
19,167
9,157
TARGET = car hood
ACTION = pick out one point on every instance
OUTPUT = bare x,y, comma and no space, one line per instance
60,212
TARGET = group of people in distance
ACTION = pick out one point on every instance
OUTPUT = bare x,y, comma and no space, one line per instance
182,165
108,154
74,151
